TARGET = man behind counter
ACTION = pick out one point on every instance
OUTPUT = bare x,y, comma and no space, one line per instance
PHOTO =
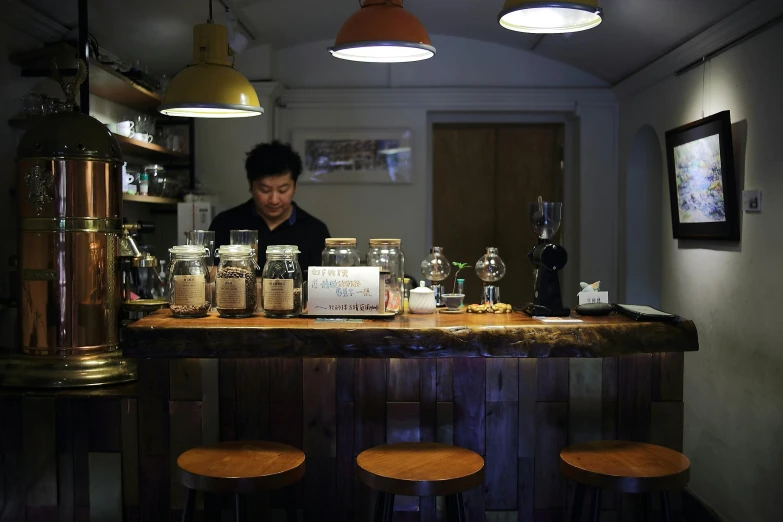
272,171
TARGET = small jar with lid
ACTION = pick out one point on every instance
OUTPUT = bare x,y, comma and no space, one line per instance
235,282
188,281
157,179
387,254
340,251
282,282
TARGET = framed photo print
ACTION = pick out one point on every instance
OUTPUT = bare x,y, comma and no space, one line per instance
356,156
702,184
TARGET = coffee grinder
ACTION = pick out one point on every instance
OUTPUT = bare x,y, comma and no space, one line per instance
548,258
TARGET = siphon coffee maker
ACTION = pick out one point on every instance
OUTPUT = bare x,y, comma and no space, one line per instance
548,258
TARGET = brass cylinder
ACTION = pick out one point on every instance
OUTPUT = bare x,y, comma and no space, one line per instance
69,169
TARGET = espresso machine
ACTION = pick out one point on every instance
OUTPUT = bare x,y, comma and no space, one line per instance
143,287
69,181
548,258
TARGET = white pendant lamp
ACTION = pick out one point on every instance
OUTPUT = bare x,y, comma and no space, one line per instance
535,16
382,31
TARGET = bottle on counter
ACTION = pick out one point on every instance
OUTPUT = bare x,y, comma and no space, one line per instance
282,282
144,184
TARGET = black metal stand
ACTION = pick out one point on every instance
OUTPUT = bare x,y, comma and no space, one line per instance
84,54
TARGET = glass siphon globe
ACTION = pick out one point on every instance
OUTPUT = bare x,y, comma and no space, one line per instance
490,268
436,267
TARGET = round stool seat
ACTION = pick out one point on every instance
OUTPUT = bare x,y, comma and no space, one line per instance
241,467
420,469
625,467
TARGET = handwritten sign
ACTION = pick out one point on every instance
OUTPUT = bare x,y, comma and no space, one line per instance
342,291
593,297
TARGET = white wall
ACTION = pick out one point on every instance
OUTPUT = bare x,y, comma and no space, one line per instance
733,386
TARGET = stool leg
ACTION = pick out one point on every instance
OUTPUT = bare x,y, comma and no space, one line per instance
384,507
596,505
455,510
290,501
667,515
187,509
240,508
579,499
212,507
389,511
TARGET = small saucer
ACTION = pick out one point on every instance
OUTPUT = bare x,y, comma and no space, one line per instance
445,311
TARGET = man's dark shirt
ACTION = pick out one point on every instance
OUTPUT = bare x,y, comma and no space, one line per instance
301,229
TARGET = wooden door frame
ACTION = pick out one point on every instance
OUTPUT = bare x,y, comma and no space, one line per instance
570,280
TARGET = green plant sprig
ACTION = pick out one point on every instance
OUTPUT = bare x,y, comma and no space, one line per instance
459,266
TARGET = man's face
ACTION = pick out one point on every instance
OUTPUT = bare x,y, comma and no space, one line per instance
272,195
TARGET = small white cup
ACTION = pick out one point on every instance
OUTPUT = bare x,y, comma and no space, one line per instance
125,128
130,189
140,136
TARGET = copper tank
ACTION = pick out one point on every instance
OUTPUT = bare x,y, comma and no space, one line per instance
69,169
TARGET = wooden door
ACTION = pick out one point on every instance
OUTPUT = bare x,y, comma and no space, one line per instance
484,178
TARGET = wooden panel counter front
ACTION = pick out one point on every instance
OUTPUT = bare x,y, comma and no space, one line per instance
408,336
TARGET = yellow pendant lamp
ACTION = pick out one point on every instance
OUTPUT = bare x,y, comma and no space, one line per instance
536,16
210,87
382,31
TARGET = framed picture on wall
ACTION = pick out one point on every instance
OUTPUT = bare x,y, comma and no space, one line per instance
354,156
702,184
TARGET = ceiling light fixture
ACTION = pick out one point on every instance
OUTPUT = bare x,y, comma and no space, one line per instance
536,16
382,31
210,87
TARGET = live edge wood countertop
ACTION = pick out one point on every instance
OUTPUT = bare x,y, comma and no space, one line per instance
408,336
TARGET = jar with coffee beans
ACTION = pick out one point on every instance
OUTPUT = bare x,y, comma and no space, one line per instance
235,281
188,281
282,282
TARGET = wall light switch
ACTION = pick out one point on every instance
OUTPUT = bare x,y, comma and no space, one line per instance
751,200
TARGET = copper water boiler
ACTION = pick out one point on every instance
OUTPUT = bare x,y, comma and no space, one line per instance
69,169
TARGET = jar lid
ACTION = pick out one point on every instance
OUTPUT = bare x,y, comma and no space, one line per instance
381,242
234,250
156,168
340,241
185,250
282,249
422,289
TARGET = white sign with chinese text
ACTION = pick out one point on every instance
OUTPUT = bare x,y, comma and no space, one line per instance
342,291
593,297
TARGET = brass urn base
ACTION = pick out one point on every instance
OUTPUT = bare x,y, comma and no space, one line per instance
69,371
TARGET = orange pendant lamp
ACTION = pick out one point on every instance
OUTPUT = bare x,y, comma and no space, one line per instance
382,31
552,16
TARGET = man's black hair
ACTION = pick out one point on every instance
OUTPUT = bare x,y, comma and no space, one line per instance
272,159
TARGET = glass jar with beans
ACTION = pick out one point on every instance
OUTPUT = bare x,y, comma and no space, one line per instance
188,281
282,282
235,281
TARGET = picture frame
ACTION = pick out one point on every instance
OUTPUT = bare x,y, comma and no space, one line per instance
702,181
354,156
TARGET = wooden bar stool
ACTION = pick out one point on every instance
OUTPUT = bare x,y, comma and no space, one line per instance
239,468
420,469
623,467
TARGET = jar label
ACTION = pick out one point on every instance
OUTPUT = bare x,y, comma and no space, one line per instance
189,290
278,294
231,293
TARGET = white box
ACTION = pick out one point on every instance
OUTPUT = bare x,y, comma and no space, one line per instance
193,216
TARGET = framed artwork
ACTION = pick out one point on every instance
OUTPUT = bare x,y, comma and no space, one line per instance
702,184
354,155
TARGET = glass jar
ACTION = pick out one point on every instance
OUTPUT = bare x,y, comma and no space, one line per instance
188,279
387,254
282,282
157,178
340,252
235,281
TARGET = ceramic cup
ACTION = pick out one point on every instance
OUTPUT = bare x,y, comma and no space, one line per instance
125,128
140,136
453,301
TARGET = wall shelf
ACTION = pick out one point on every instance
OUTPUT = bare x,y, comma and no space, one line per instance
154,200
148,150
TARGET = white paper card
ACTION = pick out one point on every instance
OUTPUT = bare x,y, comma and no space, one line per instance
560,320
593,297
342,291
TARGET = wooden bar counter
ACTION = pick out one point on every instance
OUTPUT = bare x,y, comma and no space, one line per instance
511,388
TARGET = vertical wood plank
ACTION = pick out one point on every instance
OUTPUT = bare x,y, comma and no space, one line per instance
552,379
252,402
526,476
474,503
634,397
345,460
154,487
185,420
445,414
285,423
502,516
584,404
667,376
370,405
80,409
402,422
609,379
528,386
285,380
345,380
549,515
227,389
500,478
154,464
105,428
320,407
12,472
551,437
41,513
130,452
105,487
445,380
64,436
320,489
502,380
469,392
40,450
210,401
428,400
403,385
185,379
